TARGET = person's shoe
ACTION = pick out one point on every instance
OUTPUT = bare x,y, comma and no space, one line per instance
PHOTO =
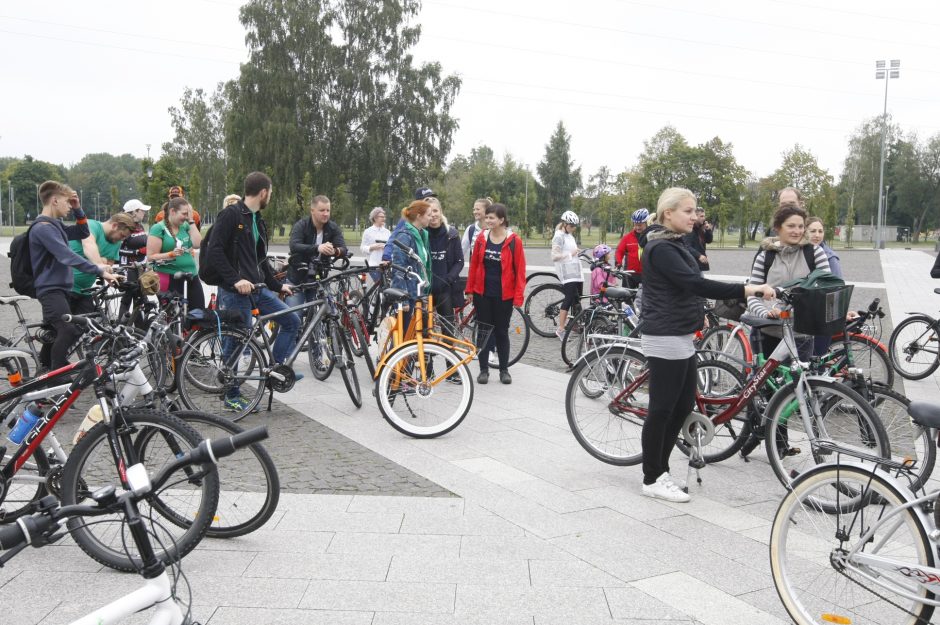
298,376
455,379
665,488
504,377
680,483
560,334
235,404
484,377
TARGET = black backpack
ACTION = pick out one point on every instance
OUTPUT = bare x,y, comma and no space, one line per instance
21,265
207,272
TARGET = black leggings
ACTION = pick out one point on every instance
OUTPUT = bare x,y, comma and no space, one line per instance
497,313
672,393
54,305
572,292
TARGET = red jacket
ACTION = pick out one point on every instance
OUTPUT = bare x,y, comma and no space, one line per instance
629,247
513,261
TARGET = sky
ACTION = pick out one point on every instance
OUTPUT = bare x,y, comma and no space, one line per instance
764,75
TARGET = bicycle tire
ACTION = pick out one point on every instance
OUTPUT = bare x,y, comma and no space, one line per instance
26,486
406,402
15,365
355,326
249,482
519,333
320,351
91,466
869,354
204,379
344,359
538,278
914,347
605,430
849,420
728,344
360,337
542,307
719,380
809,544
575,343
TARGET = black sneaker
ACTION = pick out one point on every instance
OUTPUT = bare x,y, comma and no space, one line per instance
484,377
504,377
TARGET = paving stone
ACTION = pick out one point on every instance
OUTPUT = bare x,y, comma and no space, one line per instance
530,601
270,616
319,566
484,571
379,596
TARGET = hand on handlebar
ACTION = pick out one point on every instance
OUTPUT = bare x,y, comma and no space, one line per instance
287,289
244,287
108,276
759,290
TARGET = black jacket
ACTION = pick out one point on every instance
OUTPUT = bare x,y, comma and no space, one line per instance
303,247
235,254
446,258
935,272
696,241
673,286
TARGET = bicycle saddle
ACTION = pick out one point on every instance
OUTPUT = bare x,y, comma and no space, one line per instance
9,299
394,296
619,293
937,291
925,413
759,322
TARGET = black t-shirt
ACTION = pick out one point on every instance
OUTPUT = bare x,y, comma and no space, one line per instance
493,269
130,249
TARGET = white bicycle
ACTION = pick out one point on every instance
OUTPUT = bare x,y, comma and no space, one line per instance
48,524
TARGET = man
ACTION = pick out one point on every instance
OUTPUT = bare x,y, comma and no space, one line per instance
700,236
313,242
134,249
53,260
421,193
627,255
237,251
177,191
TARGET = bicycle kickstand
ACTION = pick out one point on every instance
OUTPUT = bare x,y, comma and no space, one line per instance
696,461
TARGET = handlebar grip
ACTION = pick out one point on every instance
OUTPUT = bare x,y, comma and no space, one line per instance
75,319
400,268
212,450
400,245
25,530
873,307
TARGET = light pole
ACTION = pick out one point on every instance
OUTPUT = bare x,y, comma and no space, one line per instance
388,197
881,72
741,225
525,209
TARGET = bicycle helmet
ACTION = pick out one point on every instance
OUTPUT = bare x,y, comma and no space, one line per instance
601,251
570,217
641,215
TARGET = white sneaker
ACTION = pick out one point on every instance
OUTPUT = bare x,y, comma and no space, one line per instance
665,488
679,483
560,334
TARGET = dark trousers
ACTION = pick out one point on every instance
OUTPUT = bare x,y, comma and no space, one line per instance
444,306
672,393
495,312
55,304
804,347
195,295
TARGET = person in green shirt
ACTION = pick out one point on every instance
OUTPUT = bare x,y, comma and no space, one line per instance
102,247
172,242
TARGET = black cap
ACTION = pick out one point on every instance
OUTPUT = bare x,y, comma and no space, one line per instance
423,193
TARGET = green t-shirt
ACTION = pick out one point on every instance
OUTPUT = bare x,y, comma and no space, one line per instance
106,249
186,262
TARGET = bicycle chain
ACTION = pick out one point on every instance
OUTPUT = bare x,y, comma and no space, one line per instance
920,621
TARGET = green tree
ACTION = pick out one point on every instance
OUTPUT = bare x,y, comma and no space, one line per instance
667,161
800,169
558,176
26,175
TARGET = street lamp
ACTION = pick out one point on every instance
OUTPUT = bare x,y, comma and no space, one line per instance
741,225
886,74
388,197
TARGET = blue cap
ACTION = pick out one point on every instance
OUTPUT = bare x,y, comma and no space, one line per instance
424,193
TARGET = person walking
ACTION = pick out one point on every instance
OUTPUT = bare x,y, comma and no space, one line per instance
446,261
175,241
699,238
673,310
567,266
496,281
631,246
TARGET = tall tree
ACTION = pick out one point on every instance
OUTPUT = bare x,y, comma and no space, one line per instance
26,175
558,176
800,169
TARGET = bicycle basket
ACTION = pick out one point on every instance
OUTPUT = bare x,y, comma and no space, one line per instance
821,311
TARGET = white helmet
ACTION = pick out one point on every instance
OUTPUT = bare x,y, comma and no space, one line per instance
569,217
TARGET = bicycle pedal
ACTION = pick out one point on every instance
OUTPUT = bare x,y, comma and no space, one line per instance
697,463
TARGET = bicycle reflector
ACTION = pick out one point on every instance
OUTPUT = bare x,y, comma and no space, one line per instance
835,618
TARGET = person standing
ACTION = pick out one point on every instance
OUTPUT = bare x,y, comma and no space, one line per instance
475,228
52,260
446,260
237,253
816,233
371,236
134,248
698,240
314,242
174,241
496,281
567,266
630,247
673,310
101,246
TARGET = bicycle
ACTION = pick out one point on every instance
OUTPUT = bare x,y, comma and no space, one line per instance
914,346
610,313
851,543
466,327
607,398
44,527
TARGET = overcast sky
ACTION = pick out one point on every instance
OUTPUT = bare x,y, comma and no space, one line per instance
98,76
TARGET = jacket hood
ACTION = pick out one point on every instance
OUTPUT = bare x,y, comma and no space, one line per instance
657,231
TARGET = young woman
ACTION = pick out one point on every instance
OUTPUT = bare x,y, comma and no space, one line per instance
173,239
567,266
414,235
816,233
497,283
673,310
446,260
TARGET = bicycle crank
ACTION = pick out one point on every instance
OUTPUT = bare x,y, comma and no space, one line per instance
282,378
697,429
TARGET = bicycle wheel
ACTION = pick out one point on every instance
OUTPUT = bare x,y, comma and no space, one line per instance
518,339
868,354
575,343
838,414
27,485
538,278
355,327
320,351
728,344
606,403
208,382
16,368
914,347
816,555
343,357
542,307
424,408
180,512
250,486
718,387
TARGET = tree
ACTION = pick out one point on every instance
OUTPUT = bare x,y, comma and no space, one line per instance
801,170
666,161
559,178
858,184
26,176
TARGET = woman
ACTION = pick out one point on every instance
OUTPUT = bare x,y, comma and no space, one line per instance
414,236
446,260
816,233
673,310
370,237
496,281
567,266
173,240
781,259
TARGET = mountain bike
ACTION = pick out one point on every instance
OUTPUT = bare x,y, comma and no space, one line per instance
914,346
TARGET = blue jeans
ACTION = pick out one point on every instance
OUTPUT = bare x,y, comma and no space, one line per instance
268,303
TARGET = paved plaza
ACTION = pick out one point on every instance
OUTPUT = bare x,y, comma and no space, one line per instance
504,520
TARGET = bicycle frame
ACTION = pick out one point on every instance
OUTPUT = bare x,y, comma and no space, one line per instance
157,592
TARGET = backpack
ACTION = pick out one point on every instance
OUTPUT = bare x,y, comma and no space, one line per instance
21,265
207,272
